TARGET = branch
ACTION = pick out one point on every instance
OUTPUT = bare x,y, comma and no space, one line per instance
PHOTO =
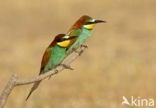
7,90
14,81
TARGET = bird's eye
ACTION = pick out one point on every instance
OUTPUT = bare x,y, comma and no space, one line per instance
91,21
59,39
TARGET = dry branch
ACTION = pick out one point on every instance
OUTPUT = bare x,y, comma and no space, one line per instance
14,81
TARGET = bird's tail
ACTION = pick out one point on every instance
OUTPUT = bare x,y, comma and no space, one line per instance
36,84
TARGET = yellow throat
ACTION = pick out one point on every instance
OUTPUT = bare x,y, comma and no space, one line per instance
89,26
65,43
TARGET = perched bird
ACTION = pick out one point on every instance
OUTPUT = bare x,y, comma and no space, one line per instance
82,28
54,55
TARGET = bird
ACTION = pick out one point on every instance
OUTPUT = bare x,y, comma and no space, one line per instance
53,56
82,28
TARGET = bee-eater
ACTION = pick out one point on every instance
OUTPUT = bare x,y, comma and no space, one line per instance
82,28
54,55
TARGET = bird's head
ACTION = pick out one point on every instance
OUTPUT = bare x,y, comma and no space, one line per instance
63,40
87,22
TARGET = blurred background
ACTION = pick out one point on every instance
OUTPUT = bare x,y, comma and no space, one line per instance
120,60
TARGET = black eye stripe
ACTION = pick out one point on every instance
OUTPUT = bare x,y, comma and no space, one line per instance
59,40
64,39
88,23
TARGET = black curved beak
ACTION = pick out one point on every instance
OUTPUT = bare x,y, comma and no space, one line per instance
72,37
100,21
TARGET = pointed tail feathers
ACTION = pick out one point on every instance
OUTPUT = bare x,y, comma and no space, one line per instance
35,86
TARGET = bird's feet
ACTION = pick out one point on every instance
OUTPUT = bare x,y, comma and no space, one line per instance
67,66
80,52
74,50
56,71
85,46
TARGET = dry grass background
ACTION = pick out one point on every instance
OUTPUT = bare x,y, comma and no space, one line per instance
120,61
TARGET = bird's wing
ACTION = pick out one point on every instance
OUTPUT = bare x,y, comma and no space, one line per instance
45,59
44,62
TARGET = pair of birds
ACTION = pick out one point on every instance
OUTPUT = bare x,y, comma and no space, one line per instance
64,44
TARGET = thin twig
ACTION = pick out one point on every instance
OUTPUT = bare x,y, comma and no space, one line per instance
14,81
7,90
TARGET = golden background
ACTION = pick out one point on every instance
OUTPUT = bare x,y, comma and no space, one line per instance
120,60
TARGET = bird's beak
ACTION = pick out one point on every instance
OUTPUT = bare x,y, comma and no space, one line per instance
100,21
73,37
